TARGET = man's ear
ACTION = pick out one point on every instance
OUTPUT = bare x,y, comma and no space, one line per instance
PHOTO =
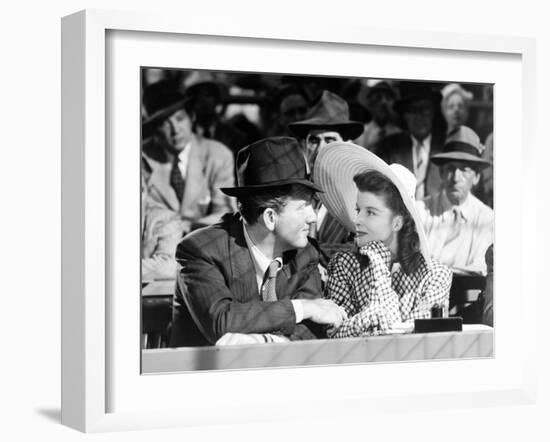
269,216
397,223
476,179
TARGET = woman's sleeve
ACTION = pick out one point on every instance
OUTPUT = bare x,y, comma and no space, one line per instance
339,286
436,290
382,310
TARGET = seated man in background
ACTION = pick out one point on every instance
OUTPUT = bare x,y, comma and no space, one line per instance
328,121
187,170
413,147
380,102
161,231
459,226
253,278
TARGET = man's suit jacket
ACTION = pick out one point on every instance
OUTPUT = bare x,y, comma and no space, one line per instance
217,291
398,148
210,167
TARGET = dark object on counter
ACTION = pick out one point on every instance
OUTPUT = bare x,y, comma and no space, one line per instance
437,311
437,325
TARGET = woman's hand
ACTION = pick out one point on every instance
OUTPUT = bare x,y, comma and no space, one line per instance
377,252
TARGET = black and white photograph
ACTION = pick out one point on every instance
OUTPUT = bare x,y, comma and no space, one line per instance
293,220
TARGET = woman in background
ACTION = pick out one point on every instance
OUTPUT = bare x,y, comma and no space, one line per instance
455,103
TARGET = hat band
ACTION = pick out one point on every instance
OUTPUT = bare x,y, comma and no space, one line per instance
459,146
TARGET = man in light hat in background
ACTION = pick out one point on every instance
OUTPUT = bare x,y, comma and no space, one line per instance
458,225
380,100
254,278
413,147
328,121
186,170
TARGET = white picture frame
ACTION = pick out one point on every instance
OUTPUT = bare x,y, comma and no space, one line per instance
88,359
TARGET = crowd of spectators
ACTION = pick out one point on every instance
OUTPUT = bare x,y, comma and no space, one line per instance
195,122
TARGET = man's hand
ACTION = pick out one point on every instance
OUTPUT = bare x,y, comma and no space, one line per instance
324,311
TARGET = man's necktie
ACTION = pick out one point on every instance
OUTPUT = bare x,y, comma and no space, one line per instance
454,230
268,289
176,179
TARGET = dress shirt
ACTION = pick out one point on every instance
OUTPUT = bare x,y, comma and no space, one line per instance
465,252
421,158
183,160
261,263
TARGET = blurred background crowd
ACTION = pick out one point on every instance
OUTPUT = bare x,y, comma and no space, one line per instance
194,123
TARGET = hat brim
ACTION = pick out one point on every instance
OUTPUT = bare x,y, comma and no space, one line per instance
335,167
348,130
442,158
150,123
248,190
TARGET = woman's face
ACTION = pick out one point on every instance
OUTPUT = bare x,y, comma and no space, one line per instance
374,220
455,111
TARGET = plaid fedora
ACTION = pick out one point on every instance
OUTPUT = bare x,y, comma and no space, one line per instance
331,112
462,144
334,170
270,163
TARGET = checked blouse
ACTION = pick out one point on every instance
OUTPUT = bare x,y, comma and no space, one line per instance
376,298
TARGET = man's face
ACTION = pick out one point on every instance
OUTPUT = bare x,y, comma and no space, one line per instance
458,179
419,117
292,224
380,104
316,140
176,131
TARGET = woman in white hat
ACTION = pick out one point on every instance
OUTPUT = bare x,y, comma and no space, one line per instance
389,278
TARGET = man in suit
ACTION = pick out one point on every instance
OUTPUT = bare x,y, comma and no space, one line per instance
187,170
253,277
414,147
327,121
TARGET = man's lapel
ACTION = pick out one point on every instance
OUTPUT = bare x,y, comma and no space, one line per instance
243,285
160,182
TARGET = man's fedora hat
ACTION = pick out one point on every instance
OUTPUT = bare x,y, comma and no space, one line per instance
331,112
334,170
160,99
385,86
270,163
462,144
414,93
198,79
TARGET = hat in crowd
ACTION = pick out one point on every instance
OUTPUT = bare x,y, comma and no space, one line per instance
462,144
334,169
197,79
160,99
382,85
416,94
270,163
331,112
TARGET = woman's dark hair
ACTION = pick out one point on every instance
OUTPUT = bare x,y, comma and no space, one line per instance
253,205
408,252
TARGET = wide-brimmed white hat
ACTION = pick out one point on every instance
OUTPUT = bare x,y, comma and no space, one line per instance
335,167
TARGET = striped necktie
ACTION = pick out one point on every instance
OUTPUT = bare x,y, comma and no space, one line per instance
270,278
